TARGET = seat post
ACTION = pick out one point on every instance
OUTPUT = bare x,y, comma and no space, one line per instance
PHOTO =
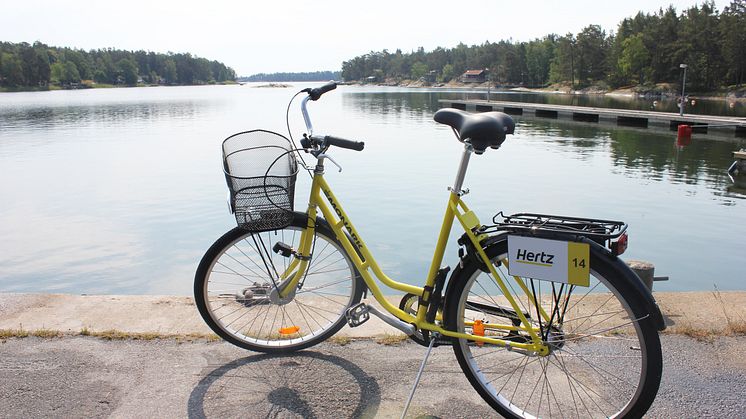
461,174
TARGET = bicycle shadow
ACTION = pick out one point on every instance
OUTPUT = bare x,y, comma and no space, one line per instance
305,384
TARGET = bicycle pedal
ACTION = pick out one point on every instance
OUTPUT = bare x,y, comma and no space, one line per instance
357,314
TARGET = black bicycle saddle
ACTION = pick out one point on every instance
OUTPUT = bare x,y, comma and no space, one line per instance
481,130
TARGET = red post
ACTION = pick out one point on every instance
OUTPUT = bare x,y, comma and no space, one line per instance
685,131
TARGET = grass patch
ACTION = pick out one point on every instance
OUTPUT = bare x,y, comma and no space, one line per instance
737,328
22,333
692,332
389,339
731,323
146,336
191,337
341,340
119,335
47,334
13,333
109,335
733,326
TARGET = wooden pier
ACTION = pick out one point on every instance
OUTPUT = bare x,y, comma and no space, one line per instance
625,117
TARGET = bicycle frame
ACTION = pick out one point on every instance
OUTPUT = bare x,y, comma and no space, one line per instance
331,209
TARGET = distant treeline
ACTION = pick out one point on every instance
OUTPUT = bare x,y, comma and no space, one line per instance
39,65
645,50
312,76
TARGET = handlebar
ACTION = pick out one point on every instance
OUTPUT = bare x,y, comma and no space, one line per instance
316,92
310,140
344,143
328,140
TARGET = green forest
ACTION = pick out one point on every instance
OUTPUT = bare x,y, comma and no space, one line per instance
645,50
39,66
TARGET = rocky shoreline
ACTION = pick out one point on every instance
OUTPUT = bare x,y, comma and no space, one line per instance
662,90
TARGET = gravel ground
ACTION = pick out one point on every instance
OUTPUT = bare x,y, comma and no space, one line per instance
89,377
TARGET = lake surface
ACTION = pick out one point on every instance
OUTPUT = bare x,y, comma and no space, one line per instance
120,191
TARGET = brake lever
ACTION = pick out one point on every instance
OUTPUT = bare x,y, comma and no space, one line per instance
326,156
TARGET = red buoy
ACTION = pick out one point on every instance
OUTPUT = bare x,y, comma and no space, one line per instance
685,131
684,137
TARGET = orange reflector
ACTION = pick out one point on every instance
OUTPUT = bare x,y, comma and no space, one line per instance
289,330
478,330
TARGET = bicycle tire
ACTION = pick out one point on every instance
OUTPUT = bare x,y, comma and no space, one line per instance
589,373
235,276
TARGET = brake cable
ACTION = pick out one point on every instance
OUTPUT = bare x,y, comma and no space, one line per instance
290,133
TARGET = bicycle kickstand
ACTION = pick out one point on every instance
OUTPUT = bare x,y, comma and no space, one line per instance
433,337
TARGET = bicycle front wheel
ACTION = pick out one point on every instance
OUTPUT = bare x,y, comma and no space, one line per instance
235,279
605,357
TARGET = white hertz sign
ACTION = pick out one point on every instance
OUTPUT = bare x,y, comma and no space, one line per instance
550,260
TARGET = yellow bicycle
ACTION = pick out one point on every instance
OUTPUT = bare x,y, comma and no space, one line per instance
544,318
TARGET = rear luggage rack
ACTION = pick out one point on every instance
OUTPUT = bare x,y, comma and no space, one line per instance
543,225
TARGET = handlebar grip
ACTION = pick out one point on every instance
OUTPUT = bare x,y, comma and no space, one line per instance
341,142
316,92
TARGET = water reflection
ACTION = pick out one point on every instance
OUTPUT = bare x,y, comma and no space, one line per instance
738,186
412,105
77,115
645,153
583,141
121,191
703,161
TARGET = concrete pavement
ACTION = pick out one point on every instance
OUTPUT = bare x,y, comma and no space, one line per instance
163,378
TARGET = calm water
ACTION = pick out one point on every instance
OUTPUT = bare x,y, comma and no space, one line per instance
121,190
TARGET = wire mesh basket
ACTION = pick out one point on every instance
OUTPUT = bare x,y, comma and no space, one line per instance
260,169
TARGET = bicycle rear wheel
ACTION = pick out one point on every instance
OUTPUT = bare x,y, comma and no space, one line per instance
605,358
235,279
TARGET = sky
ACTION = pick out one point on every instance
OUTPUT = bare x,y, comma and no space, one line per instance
294,36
